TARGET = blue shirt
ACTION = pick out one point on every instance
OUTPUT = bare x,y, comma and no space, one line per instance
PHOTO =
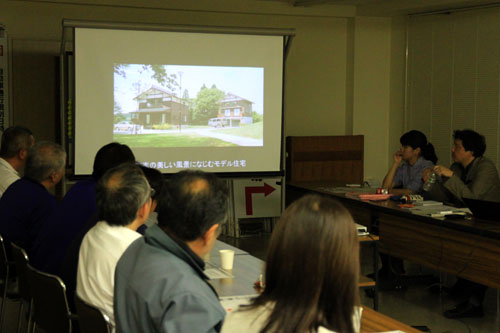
160,287
59,231
24,207
410,177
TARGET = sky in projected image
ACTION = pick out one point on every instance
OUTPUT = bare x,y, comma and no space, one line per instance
133,79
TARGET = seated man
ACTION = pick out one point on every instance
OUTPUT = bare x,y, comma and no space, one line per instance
71,218
16,141
27,203
471,176
123,203
159,281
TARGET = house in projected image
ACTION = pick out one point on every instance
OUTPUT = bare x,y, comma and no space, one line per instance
158,106
235,109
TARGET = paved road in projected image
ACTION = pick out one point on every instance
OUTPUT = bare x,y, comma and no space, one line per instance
210,132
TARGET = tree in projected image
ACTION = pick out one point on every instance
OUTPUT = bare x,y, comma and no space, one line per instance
158,72
119,116
206,105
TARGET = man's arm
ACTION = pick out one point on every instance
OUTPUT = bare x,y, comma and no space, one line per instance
189,312
483,181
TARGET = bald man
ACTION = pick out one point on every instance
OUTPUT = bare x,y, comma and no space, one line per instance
176,296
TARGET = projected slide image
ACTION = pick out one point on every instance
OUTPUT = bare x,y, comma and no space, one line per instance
188,106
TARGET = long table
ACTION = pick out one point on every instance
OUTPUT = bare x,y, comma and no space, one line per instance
469,249
246,270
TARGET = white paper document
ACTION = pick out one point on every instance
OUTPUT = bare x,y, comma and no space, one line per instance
438,210
231,303
213,272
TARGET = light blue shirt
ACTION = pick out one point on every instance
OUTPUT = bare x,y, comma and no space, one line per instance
410,177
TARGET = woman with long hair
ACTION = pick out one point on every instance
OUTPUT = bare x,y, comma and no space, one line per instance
312,268
409,162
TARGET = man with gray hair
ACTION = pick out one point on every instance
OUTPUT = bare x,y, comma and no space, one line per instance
16,140
123,198
27,203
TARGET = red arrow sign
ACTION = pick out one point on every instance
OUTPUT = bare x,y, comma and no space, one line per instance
266,189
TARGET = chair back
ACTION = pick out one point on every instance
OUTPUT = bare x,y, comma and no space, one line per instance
90,319
4,276
4,262
51,312
21,261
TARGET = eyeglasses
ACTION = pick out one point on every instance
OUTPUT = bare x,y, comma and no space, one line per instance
152,192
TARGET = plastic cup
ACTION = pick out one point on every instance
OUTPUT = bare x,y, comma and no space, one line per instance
226,259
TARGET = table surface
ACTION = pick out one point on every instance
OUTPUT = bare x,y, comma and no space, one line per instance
485,228
246,271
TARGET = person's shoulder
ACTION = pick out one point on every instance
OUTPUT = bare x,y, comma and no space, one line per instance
81,189
246,319
485,161
425,163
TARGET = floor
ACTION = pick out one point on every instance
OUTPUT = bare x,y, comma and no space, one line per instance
413,306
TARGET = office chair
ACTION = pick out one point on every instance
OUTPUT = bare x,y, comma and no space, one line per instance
90,319
51,313
21,261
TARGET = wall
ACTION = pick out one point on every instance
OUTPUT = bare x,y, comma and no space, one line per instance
454,78
372,40
337,74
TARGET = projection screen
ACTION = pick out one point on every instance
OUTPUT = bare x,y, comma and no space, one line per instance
180,100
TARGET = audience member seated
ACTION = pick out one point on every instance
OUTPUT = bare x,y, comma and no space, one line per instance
312,270
16,141
470,176
71,218
405,177
414,156
155,179
160,285
27,203
123,204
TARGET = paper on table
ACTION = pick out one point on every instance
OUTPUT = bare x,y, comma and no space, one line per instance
345,189
213,272
437,210
230,303
428,203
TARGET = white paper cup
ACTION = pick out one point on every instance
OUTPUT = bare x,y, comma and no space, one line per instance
226,259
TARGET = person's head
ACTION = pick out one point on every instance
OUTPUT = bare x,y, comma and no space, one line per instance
45,163
155,179
109,156
123,196
467,145
414,144
312,268
16,141
191,208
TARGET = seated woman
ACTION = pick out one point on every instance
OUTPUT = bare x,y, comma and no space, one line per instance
414,156
312,273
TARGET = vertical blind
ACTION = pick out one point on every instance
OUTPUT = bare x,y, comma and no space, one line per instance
454,78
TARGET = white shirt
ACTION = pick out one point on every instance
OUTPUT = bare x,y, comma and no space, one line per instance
8,175
252,321
100,251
